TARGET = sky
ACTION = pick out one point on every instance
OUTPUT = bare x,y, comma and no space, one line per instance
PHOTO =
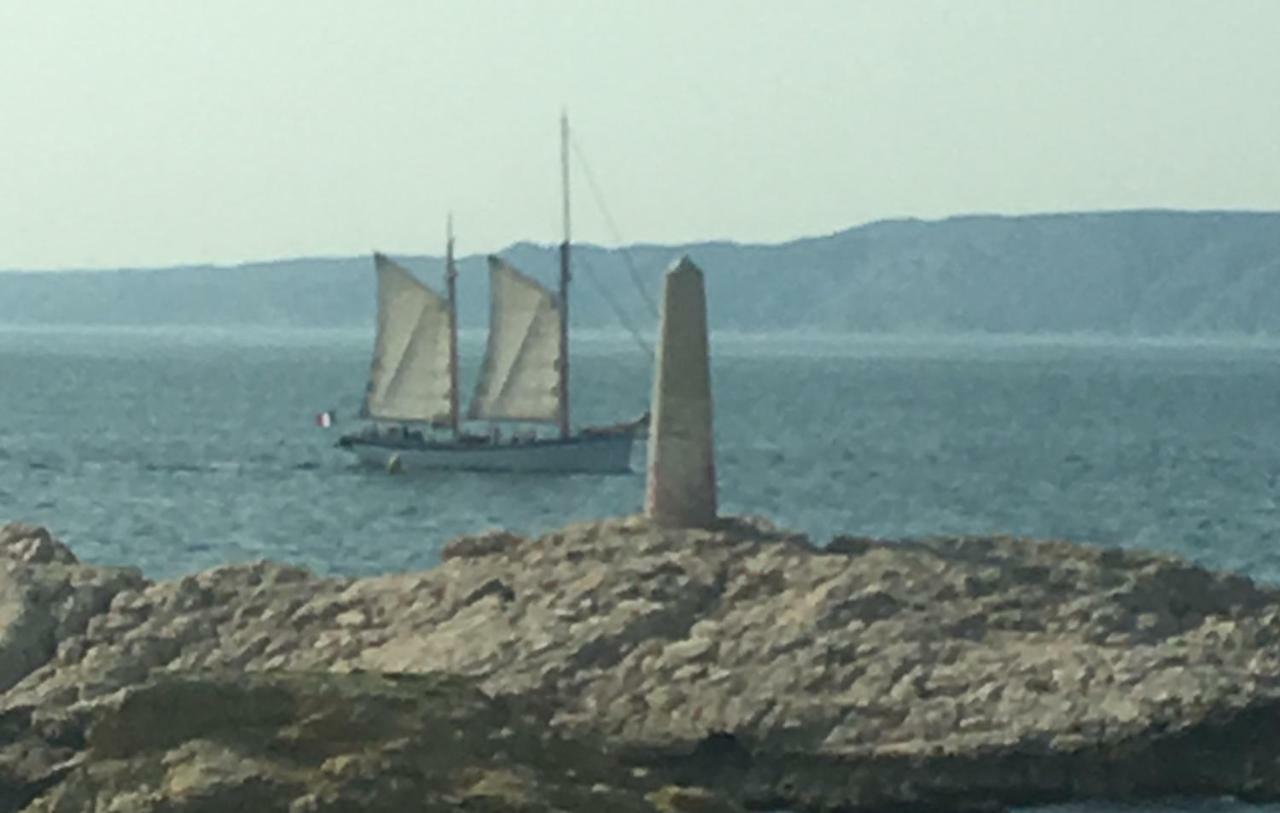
158,132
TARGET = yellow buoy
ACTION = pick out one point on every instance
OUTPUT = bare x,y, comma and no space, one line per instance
393,464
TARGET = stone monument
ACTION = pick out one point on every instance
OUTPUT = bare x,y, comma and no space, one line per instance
681,488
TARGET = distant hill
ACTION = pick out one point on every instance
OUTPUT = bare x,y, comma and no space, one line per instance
1124,273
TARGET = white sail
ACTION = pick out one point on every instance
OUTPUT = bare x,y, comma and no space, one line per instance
519,380
409,379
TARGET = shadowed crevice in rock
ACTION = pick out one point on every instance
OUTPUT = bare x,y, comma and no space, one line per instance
1236,751
34,756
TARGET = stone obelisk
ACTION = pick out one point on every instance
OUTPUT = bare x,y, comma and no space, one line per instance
681,489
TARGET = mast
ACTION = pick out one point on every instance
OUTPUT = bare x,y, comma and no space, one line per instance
451,285
564,279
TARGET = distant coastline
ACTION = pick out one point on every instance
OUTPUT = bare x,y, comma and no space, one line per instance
726,342
1194,276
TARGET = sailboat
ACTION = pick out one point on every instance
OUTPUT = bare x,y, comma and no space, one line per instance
411,400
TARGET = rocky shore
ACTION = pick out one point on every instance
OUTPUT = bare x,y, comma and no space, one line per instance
620,665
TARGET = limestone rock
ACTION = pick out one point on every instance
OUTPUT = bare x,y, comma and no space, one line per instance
33,544
325,742
949,671
487,544
46,597
680,799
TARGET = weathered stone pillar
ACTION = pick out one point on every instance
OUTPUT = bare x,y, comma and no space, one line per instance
681,489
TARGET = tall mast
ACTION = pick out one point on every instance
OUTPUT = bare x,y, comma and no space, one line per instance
451,285
564,279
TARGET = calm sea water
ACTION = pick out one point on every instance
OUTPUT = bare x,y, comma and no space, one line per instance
179,450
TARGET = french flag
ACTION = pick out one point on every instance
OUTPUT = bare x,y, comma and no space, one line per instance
325,419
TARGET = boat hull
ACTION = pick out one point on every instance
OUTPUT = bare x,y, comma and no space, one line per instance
584,454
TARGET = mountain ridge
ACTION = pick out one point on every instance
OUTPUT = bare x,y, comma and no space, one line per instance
1128,272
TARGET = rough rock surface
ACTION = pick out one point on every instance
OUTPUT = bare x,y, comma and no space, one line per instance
46,596
333,743
934,673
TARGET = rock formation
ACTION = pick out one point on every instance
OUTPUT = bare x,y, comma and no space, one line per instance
333,743
939,673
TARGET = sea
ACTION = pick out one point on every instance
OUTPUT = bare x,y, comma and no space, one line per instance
179,449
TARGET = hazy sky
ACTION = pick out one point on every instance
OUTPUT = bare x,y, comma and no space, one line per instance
152,132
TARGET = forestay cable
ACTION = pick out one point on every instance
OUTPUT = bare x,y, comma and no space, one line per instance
613,228
604,292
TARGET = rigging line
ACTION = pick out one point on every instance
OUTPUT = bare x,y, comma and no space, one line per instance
613,227
603,290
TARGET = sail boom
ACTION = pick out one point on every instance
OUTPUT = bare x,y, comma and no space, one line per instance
399,420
